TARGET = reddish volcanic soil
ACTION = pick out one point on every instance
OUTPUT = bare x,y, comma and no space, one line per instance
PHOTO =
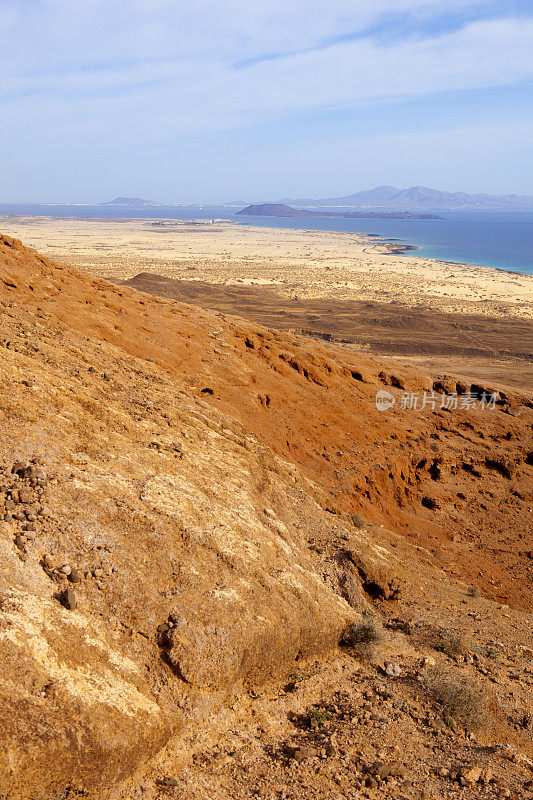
456,482
486,347
227,574
381,465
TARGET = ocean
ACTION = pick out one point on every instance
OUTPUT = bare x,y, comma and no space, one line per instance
499,239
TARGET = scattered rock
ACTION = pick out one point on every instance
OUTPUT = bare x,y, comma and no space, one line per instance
74,575
379,769
303,753
468,776
68,599
330,749
167,782
393,670
18,468
25,495
48,562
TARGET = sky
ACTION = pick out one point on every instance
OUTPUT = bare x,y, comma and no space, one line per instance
246,100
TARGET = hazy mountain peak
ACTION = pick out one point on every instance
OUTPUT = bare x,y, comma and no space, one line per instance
129,201
424,197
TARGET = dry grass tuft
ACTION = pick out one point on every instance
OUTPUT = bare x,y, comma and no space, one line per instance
362,637
358,521
452,643
460,703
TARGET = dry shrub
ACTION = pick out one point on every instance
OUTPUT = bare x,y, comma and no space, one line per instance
358,521
453,644
318,715
460,702
362,637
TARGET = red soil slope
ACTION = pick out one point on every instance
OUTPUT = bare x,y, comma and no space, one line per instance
456,481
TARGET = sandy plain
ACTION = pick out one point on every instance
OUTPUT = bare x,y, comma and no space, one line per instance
313,264
347,287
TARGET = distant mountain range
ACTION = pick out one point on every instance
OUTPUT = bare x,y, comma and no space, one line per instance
420,197
416,198
282,210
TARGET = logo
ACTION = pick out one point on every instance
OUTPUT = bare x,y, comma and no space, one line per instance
384,400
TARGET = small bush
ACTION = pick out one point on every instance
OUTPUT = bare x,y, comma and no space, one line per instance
358,520
460,703
453,644
473,591
318,715
362,637
397,624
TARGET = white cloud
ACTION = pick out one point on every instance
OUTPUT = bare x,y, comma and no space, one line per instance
105,76
170,97
52,34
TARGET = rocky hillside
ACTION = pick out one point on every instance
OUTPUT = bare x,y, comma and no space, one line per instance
181,496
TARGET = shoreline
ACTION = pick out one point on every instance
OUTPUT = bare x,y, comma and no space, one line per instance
312,264
472,263
376,237
509,249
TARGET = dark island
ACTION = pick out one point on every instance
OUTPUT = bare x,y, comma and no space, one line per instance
281,210
137,202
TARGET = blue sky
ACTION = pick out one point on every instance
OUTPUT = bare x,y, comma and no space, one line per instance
249,100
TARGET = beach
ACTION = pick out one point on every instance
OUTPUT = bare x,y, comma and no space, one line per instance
349,287
312,264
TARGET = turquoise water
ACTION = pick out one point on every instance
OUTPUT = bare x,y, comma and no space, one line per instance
500,239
